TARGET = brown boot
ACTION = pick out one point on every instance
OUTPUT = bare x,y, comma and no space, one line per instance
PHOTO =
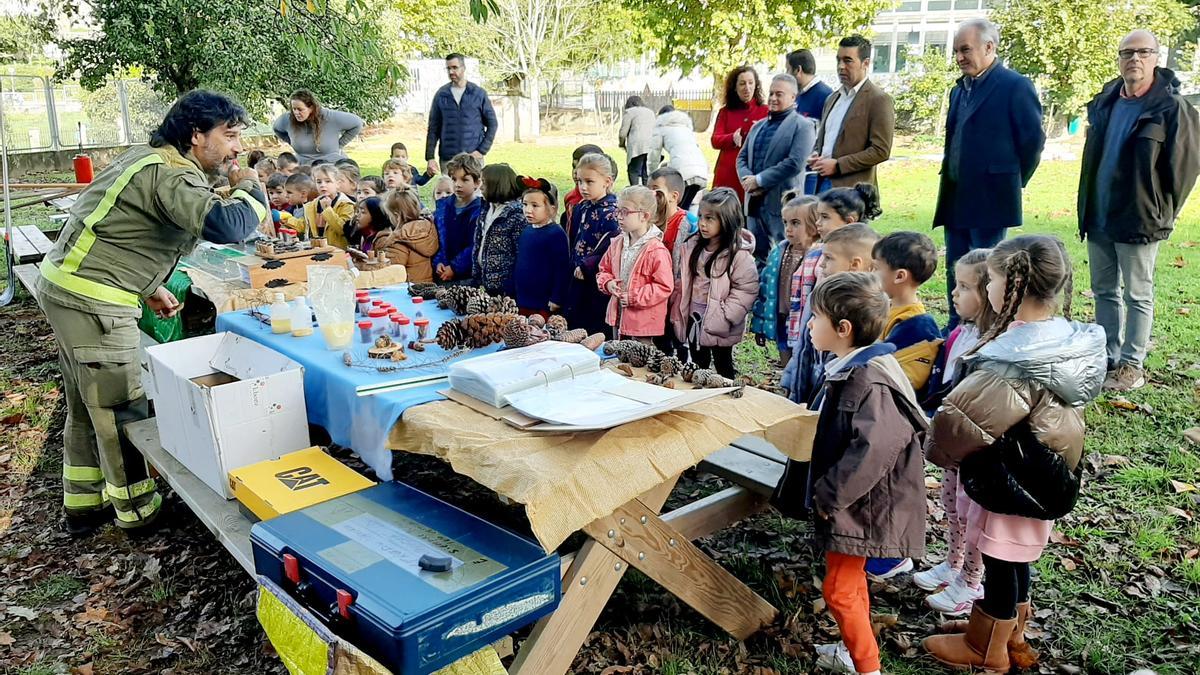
1020,653
983,646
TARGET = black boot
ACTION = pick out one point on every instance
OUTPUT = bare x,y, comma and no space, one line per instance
82,524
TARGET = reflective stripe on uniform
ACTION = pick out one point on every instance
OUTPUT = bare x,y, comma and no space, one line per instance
260,211
84,500
131,492
87,236
82,474
134,515
86,287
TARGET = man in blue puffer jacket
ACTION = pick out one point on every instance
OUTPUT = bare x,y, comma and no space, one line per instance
461,118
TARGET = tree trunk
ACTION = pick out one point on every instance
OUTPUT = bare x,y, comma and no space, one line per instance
535,108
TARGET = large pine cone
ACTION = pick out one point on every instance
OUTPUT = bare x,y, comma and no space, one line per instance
575,336
557,323
488,304
452,335
486,329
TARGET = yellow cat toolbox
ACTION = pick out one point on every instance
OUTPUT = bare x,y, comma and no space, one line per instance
292,482
412,581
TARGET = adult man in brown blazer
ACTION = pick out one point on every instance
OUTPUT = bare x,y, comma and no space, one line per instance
857,125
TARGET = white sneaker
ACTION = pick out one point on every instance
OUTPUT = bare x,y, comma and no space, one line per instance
956,598
936,577
835,658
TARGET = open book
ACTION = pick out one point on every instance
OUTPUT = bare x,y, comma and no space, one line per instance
563,385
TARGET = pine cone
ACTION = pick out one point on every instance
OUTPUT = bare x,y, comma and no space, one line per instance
455,298
557,322
654,362
423,289
451,335
487,304
687,371
519,333
574,336
486,329
670,366
536,320
639,353
593,341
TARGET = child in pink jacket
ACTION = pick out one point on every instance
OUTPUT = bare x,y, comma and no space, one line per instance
718,283
636,270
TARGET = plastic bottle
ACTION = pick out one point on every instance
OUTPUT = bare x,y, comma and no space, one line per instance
281,315
301,318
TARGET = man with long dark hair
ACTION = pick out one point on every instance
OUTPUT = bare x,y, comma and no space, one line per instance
124,236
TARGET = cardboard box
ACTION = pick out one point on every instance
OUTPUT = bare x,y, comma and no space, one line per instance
292,482
224,401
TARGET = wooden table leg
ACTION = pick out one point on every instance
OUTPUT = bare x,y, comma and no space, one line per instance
638,536
587,586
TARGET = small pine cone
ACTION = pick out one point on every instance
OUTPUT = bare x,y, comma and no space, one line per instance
519,333
557,322
574,336
610,348
536,320
489,304
687,371
640,353
421,288
670,366
654,363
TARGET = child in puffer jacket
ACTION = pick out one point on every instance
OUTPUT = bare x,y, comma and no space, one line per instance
1014,427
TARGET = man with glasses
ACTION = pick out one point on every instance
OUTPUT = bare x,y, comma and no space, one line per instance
993,145
461,118
1139,164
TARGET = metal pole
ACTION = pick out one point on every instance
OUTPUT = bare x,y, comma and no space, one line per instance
9,290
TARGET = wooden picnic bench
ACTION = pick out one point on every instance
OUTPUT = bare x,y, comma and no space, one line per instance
29,244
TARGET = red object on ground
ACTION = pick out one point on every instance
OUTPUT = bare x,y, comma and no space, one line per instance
83,169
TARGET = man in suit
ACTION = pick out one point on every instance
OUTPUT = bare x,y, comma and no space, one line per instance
994,141
771,162
810,102
857,124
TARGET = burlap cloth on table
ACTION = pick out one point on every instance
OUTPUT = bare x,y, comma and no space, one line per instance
566,481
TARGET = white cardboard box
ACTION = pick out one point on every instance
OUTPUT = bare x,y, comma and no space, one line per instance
224,401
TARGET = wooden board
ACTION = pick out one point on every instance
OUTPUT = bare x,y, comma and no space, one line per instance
38,238
292,254
293,270
28,276
760,447
221,516
744,468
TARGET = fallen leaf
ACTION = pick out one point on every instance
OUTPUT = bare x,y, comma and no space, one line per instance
1187,244
1191,554
6,639
1179,262
12,420
1179,512
1068,564
1178,485
1122,403
1115,460
152,568
85,669
1062,539
1184,311
1192,435
23,612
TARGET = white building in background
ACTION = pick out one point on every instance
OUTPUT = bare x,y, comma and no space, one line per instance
917,25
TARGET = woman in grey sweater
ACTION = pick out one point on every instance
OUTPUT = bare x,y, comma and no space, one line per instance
316,133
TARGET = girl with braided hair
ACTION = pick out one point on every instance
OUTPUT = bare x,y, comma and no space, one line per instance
1014,429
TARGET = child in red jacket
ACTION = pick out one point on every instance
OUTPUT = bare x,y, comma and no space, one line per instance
636,270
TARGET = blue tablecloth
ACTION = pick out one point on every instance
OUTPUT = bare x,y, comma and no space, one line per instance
358,422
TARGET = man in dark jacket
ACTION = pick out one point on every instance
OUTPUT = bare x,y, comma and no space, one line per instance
461,118
994,142
1139,164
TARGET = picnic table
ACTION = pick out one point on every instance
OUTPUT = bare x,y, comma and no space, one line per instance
622,521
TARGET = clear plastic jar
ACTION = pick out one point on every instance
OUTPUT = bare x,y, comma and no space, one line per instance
422,328
379,322
364,331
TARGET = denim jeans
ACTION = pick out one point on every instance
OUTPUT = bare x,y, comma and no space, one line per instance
959,243
1123,285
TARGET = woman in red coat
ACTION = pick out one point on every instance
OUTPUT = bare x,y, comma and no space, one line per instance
744,105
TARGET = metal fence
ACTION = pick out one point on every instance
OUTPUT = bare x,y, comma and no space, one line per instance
584,97
41,114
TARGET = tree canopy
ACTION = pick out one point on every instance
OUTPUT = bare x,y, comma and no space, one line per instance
718,35
1070,48
254,51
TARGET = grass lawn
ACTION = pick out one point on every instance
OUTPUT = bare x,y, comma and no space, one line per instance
1118,589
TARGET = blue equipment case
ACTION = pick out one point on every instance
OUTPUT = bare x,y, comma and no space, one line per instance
366,564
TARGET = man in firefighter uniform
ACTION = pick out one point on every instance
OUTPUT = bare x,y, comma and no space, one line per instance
125,234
